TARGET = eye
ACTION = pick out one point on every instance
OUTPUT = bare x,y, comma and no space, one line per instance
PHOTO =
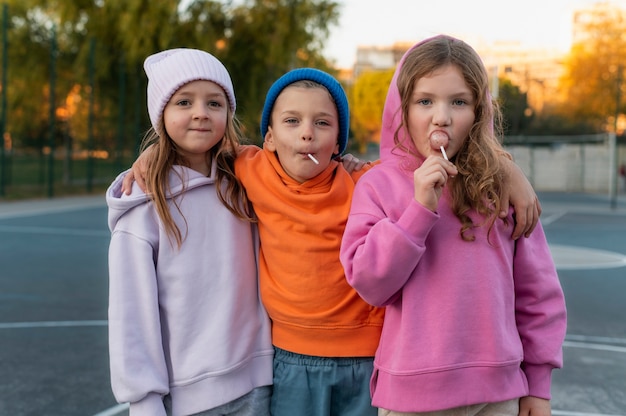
459,102
291,120
183,103
424,101
322,123
215,104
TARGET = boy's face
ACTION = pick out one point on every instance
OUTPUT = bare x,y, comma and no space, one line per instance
304,121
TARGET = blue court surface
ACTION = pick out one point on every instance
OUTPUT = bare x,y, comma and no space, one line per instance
53,306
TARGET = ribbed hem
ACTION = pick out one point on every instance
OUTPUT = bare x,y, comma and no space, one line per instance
430,391
216,390
327,342
151,405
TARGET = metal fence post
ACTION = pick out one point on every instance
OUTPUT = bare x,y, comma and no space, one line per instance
51,141
90,140
3,119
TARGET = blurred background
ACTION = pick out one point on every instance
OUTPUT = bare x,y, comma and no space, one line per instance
72,86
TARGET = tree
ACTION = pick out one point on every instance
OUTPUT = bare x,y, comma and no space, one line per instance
514,104
367,99
594,68
258,40
265,39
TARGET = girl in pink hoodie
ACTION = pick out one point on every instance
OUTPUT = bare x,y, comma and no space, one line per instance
474,320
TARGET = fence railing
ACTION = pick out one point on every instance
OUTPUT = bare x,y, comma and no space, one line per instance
552,163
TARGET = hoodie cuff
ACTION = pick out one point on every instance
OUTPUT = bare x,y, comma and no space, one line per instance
417,221
539,380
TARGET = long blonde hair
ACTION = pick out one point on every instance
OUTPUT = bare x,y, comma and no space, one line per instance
164,155
480,180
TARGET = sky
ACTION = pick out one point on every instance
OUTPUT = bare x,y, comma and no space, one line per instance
532,23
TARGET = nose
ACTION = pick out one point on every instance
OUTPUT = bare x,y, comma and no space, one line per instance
200,112
441,115
307,131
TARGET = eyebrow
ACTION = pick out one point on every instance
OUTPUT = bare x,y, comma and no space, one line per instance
188,92
296,112
456,94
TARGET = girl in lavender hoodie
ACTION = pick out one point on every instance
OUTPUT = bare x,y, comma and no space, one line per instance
474,320
187,331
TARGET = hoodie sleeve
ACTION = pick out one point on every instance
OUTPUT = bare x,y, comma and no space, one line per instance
371,231
540,311
138,370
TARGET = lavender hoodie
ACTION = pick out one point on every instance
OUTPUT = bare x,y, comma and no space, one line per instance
186,322
465,322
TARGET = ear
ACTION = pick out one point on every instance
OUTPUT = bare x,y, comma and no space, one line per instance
269,140
336,151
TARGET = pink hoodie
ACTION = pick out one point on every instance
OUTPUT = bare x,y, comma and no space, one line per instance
465,322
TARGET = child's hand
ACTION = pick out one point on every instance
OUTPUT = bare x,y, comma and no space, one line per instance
519,192
429,180
138,173
351,163
534,406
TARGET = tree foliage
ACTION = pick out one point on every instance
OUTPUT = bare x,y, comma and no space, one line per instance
267,38
104,42
367,99
593,80
514,105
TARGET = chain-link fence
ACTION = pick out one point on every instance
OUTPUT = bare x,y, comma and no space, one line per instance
73,118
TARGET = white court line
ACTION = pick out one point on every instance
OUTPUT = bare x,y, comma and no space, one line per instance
568,413
597,340
120,408
597,347
115,410
583,258
49,230
572,341
50,324
552,218
50,206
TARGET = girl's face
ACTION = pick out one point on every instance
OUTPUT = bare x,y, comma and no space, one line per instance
304,121
441,112
195,118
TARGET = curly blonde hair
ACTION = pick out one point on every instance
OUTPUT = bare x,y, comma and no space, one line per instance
479,183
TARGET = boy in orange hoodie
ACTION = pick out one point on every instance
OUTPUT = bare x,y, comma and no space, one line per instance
325,336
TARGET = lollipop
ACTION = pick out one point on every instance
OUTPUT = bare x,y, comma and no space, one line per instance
439,140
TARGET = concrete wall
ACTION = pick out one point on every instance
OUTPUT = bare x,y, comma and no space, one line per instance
569,167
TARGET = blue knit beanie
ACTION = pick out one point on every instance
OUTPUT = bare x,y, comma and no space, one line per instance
321,77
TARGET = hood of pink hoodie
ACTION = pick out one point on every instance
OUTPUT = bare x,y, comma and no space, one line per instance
392,119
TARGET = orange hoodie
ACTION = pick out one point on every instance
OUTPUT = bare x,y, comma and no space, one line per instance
314,310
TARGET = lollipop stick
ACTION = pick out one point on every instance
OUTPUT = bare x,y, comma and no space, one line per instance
443,152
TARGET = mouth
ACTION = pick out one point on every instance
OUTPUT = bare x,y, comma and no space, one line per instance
309,155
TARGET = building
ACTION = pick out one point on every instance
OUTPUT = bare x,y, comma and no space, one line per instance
535,71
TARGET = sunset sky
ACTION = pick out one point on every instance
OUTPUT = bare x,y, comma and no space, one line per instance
546,23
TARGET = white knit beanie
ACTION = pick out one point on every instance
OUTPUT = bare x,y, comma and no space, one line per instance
171,69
